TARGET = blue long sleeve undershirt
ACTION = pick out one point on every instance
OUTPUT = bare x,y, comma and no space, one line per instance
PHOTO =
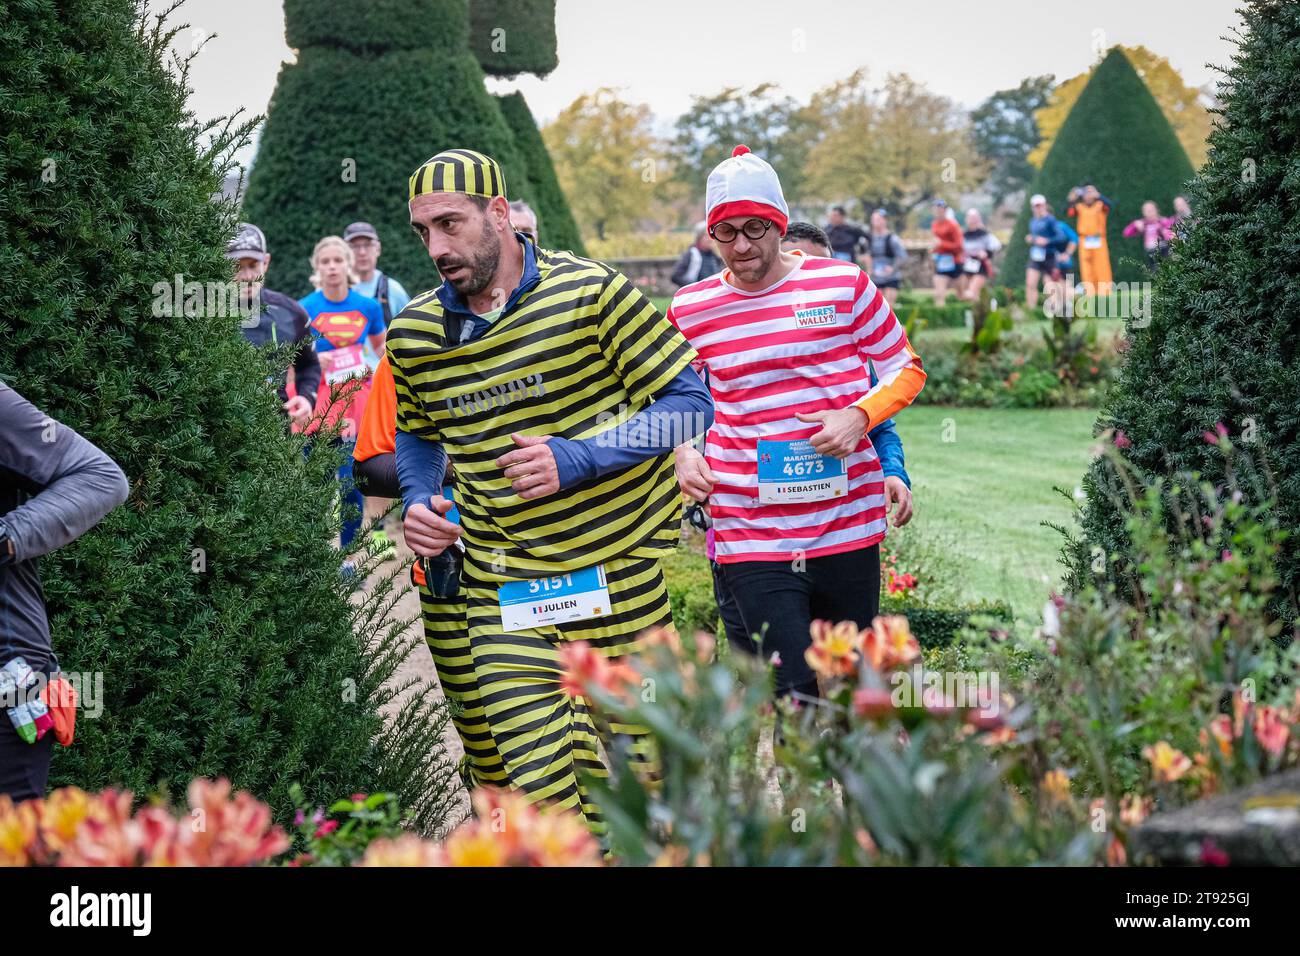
682,409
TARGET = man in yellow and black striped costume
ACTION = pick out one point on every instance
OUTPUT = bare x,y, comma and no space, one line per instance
558,391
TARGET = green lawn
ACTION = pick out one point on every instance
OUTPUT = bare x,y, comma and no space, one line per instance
983,481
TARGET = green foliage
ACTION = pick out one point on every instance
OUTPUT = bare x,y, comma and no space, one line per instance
1117,137
211,602
1220,346
510,37
846,787
370,28
1004,130
376,90
1017,375
330,154
339,835
555,222
1189,638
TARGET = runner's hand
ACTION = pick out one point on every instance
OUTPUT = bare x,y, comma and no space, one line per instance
531,467
693,476
427,532
842,430
349,430
897,493
298,409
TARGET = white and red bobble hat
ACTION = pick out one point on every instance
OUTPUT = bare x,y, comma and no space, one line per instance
745,185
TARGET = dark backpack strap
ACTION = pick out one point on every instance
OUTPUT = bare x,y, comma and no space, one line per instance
381,293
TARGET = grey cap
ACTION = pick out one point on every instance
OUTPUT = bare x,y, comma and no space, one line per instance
358,230
249,243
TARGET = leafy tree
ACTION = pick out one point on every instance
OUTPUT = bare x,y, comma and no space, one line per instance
210,604
556,226
1005,131
772,124
896,147
1182,105
1117,137
609,160
1220,345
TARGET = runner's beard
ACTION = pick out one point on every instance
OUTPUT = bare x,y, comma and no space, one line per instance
482,266
754,272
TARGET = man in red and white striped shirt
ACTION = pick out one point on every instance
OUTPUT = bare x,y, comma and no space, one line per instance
794,487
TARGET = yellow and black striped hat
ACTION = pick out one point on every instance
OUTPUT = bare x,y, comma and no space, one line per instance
459,171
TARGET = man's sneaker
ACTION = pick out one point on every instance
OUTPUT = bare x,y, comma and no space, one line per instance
381,543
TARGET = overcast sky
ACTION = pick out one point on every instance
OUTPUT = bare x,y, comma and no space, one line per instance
664,52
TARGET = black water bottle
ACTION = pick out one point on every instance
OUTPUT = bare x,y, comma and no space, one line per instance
442,572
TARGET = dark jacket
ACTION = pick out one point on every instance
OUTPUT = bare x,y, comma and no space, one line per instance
54,486
282,320
696,264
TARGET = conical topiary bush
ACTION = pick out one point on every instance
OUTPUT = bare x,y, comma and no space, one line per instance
377,89
557,228
1222,344
1117,137
208,610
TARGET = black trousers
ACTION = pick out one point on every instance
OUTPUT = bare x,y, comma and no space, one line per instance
778,603
24,767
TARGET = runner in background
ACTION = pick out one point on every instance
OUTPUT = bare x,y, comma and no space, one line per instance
794,486
699,261
523,220
948,251
371,282
279,321
848,240
445,632
886,254
515,368
1090,210
1044,237
342,322
54,487
979,246
1064,278
1156,233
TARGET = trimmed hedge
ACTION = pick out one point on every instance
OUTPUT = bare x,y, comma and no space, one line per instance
556,225
1116,136
210,604
510,37
1221,343
378,88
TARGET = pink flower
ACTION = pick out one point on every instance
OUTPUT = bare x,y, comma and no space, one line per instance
1271,731
1122,440
326,828
1211,855
298,818
872,702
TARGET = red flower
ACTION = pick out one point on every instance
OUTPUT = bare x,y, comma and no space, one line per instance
326,828
872,703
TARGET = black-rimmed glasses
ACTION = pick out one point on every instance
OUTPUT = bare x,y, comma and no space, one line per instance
754,230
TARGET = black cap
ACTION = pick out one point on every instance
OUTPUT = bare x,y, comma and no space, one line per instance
249,243
358,230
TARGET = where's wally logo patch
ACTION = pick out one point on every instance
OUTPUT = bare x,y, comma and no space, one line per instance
815,316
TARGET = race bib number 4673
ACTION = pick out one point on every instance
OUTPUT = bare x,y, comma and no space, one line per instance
792,472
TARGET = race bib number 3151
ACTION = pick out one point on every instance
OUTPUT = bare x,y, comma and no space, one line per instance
791,472
537,602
